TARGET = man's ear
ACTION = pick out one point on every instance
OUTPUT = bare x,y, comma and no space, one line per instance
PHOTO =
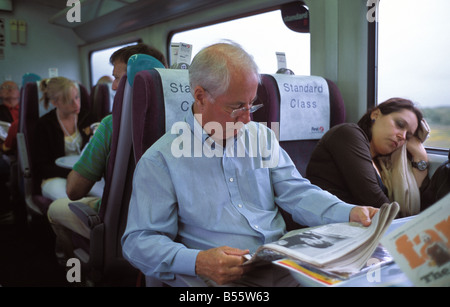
200,97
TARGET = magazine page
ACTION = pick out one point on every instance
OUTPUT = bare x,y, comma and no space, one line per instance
421,247
4,127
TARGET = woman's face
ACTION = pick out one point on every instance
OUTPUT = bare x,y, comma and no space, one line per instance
391,131
69,107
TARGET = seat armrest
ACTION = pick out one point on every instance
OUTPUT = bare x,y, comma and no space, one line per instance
23,155
86,214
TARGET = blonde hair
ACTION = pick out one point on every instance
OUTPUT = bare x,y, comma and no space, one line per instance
56,88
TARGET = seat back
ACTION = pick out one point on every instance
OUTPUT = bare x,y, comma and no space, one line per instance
101,101
30,110
301,92
104,249
270,94
161,98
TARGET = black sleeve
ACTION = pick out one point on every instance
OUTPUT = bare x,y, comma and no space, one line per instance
350,149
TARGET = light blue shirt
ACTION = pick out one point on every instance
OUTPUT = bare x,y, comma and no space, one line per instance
191,194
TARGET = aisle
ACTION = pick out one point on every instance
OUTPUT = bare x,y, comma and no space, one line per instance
27,256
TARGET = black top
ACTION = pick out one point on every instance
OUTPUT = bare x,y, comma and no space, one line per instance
50,144
342,164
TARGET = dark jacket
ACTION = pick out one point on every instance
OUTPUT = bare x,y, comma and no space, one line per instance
5,115
50,145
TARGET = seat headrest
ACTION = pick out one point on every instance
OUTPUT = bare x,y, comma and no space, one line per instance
139,62
30,77
177,94
304,107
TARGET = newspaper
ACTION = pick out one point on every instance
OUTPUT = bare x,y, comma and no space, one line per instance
309,275
4,127
342,248
421,247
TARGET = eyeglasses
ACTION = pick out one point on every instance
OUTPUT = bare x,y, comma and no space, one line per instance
240,111
9,87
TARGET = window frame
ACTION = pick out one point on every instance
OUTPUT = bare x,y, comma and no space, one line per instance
372,75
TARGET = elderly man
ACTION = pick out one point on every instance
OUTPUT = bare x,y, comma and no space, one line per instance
198,215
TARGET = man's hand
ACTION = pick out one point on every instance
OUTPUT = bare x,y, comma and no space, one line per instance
363,215
222,264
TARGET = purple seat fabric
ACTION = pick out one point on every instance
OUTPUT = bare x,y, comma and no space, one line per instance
148,111
102,255
149,106
100,101
149,119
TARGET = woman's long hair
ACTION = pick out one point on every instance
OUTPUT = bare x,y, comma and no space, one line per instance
389,106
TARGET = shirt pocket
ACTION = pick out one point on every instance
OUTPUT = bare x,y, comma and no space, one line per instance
256,189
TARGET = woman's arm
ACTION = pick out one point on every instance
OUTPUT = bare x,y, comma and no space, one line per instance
418,153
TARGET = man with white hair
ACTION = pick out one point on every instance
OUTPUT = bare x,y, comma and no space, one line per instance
199,216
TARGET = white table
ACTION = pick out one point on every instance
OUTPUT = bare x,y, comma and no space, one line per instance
67,161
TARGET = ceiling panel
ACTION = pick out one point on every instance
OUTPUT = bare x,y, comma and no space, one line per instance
102,18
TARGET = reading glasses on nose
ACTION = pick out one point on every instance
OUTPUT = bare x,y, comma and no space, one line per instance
240,111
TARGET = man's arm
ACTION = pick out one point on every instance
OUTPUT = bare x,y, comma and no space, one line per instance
77,186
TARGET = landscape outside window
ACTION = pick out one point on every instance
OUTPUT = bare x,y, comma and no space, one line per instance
413,51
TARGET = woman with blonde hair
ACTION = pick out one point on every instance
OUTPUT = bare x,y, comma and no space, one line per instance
61,132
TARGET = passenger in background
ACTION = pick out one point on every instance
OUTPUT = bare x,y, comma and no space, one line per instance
345,161
63,131
285,71
100,107
93,163
199,215
9,112
119,59
105,79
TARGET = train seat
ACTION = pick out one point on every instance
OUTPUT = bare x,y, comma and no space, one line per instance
298,146
156,106
31,109
101,256
101,100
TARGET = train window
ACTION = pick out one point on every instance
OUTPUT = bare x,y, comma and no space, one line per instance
413,60
100,65
261,35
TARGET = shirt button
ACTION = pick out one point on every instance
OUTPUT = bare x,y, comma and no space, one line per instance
231,179
256,226
240,206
